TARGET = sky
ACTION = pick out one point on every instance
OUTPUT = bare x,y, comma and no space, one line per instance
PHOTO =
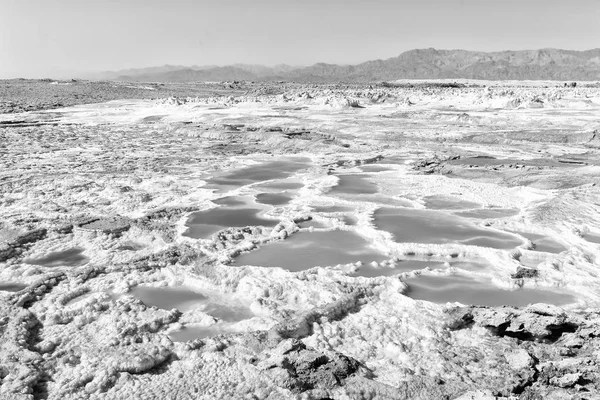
55,38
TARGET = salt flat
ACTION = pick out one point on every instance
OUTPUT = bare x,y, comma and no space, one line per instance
487,190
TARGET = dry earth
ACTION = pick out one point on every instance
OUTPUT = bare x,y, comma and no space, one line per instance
94,202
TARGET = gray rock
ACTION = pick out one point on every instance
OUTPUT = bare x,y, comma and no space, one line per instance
297,367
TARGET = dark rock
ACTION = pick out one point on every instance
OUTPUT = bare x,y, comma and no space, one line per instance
6,252
537,322
460,318
523,272
297,367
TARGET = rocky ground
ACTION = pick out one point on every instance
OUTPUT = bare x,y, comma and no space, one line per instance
111,186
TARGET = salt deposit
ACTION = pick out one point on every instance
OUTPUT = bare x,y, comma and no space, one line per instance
321,242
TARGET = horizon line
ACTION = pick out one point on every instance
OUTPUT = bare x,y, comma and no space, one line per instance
345,64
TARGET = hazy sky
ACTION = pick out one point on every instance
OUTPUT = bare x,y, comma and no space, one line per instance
50,37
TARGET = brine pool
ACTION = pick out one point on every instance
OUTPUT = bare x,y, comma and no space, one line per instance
435,227
305,250
466,290
64,258
445,219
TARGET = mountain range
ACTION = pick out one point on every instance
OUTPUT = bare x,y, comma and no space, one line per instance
543,64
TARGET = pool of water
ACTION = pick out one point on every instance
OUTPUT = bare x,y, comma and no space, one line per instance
230,201
548,245
11,286
592,238
273,199
349,220
543,243
201,231
375,168
396,267
448,203
190,333
354,184
425,226
279,169
332,209
202,224
66,258
185,299
312,223
305,250
443,289
389,269
169,297
228,312
531,262
285,184
489,213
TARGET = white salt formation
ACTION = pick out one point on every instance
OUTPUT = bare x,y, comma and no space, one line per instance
327,242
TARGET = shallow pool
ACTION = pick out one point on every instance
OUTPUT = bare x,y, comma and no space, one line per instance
426,226
375,168
202,224
312,224
66,258
349,220
185,299
284,184
543,243
489,213
459,288
305,250
169,297
11,286
332,209
273,199
448,203
396,267
592,238
193,332
230,201
354,184
280,169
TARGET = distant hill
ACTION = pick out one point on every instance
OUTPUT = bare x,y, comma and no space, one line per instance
114,75
229,73
544,64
